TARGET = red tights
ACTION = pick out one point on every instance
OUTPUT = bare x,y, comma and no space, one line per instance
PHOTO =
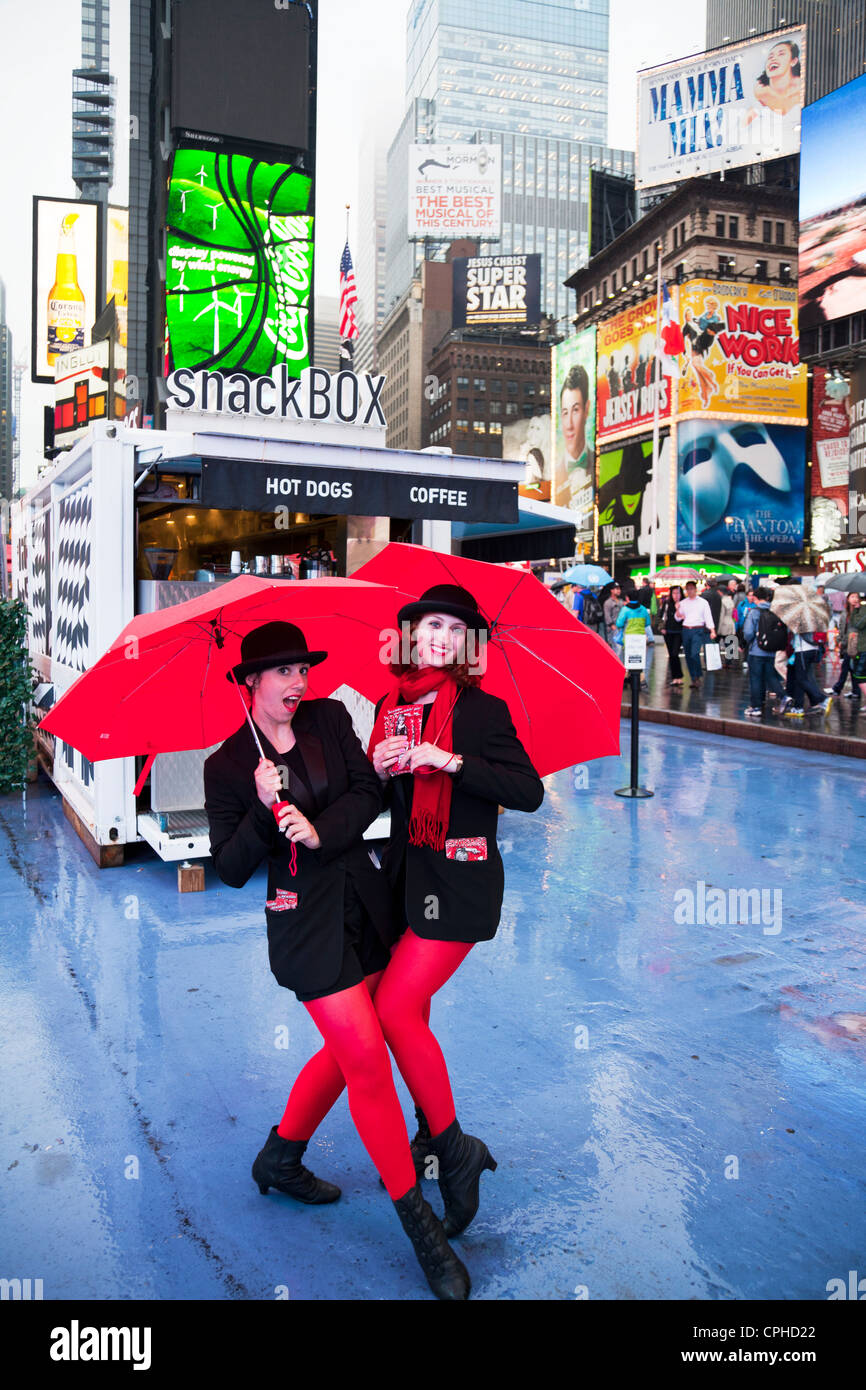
353,1036
348,1024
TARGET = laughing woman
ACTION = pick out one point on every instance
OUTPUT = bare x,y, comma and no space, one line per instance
325,902
442,859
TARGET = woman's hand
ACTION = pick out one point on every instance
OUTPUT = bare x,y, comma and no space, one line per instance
428,755
387,753
295,826
268,782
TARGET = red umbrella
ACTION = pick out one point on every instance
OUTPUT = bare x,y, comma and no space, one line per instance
161,686
562,683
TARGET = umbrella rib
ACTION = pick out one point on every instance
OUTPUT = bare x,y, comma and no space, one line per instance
507,598
553,668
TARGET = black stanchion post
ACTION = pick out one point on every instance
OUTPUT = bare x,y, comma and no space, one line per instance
634,791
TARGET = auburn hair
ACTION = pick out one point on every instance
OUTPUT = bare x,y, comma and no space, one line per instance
461,671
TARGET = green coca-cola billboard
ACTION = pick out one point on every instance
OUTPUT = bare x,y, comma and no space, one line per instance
239,265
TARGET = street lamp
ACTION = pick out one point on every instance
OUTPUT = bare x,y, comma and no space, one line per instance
736,520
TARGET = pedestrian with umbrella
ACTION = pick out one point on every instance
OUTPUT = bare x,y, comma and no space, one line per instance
672,630
328,921
467,760
805,613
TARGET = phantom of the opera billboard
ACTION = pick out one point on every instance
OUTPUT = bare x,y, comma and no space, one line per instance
741,352
573,428
626,381
733,106
738,478
833,207
494,290
239,264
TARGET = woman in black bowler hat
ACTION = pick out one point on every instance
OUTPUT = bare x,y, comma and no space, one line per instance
442,858
325,899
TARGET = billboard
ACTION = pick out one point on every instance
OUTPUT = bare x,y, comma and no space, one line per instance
67,275
80,392
736,478
833,207
742,351
573,432
715,111
625,497
829,471
117,267
857,458
455,191
626,378
239,265
528,441
242,70
493,290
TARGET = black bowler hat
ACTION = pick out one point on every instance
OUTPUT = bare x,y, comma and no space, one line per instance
446,598
273,644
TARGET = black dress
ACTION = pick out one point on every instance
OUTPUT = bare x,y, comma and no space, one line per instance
319,937
455,894
364,952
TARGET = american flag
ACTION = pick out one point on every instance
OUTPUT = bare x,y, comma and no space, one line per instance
348,297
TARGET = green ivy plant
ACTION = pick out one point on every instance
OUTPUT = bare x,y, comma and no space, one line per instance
16,686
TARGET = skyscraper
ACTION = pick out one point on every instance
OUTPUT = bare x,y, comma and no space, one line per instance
6,407
531,77
372,205
835,40
93,106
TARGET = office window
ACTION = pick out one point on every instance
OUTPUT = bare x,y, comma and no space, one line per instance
676,237
480,384
529,388
681,272
613,281
646,260
528,412
513,388
463,381
462,402
727,265
479,427
785,272
734,227
604,289
634,269
479,406
761,270
780,234
511,407
462,426
495,427
495,407
768,233
720,224
496,385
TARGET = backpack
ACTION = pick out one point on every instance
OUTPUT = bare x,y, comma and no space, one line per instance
771,634
593,613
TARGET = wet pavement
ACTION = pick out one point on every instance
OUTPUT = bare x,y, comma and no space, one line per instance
724,696
673,1081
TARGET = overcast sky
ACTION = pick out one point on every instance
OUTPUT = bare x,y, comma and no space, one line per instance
360,78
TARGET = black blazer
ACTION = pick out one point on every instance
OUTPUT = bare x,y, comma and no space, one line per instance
305,943
453,899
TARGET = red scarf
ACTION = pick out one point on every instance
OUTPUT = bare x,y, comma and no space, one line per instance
431,792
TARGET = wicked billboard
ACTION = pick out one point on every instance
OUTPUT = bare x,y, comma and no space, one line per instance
625,519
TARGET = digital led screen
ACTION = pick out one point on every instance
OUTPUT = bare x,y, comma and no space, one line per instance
239,267
240,69
833,207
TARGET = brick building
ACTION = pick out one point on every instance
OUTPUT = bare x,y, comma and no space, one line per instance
481,385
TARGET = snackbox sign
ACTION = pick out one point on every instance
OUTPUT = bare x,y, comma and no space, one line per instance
340,397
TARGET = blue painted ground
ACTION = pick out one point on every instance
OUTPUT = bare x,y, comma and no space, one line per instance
677,1110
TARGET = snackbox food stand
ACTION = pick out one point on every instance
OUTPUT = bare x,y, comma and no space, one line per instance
276,476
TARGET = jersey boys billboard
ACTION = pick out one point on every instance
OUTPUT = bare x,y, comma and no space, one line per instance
239,264
718,110
455,191
629,374
493,290
742,351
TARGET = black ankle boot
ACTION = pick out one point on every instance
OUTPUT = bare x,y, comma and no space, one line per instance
279,1165
462,1160
445,1273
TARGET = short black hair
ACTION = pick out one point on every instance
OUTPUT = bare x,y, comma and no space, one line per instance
576,380
763,595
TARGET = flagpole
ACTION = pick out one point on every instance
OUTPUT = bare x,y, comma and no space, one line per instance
347,347
657,391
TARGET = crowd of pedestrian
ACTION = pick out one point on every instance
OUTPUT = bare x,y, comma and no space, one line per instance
737,629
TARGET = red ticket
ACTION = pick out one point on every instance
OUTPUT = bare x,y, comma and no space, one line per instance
405,720
471,849
283,901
